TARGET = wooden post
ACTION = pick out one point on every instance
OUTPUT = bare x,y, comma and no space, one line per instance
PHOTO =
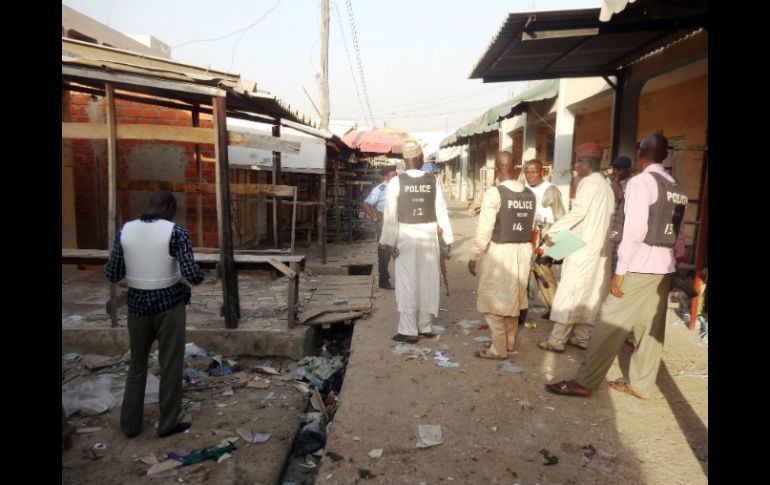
322,215
196,114
231,308
337,223
112,195
277,181
293,295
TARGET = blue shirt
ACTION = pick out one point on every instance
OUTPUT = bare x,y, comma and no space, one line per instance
376,197
151,302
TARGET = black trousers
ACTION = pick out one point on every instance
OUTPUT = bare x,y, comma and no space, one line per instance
383,254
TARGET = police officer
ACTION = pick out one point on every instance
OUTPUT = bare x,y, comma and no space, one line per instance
651,247
374,206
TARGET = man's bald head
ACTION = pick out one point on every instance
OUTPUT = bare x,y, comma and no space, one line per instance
653,148
504,166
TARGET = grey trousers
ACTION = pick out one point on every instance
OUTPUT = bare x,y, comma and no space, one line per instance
169,329
641,310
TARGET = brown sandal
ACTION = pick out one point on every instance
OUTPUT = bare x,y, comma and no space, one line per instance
568,388
486,355
623,387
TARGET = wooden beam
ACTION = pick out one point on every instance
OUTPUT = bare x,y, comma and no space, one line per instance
231,305
247,190
112,193
276,130
262,142
178,133
196,119
322,215
282,268
204,257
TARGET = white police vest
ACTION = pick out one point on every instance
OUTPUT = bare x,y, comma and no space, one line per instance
149,266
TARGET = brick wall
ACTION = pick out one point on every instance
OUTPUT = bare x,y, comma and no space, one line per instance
89,158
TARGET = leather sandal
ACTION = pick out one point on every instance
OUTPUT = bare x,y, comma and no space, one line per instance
623,387
568,388
547,346
483,354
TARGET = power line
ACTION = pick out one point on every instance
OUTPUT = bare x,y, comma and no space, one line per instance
459,97
358,59
335,10
233,32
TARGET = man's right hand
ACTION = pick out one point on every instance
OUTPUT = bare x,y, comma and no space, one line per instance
472,267
393,251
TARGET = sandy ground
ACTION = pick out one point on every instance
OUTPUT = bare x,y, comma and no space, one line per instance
495,423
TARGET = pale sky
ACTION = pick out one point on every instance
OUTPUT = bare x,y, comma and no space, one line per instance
416,54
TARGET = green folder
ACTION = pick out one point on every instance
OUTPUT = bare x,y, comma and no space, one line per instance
564,244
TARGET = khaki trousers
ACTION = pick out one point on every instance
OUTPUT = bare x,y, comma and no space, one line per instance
169,329
502,330
641,310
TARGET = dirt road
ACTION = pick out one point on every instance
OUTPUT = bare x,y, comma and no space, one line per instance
495,423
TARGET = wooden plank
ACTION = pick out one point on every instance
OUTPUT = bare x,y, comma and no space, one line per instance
328,318
86,131
283,268
112,176
196,115
263,142
139,132
231,307
249,190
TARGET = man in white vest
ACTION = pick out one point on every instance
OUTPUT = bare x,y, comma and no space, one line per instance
415,217
153,254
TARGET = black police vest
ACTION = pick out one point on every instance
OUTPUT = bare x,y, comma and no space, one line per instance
417,199
516,216
666,213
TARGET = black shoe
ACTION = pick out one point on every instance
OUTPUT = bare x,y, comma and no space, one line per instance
405,338
427,334
132,435
546,315
387,286
180,428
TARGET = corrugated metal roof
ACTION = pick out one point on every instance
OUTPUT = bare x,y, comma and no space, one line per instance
490,119
575,43
92,64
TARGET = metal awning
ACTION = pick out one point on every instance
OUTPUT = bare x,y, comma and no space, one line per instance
490,119
92,65
575,43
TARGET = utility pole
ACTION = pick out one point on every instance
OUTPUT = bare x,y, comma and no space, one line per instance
324,85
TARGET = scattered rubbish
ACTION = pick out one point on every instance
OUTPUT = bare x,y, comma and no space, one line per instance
329,476
443,310
258,383
149,460
75,317
438,329
530,325
599,421
227,392
318,369
266,370
96,362
508,367
430,435
311,437
548,458
222,405
208,454
683,373
415,352
483,338
599,460
192,350
222,432
99,393
88,430
447,364
365,474
71,357
356,438
493,428
317,402
309,464
550,408
224,457
548,377
163,467
301,387
437,355
466,324
99,446
377,453
588,453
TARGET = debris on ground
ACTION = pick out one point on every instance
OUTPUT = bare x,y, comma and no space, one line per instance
548,458
508,367
376,453
430,435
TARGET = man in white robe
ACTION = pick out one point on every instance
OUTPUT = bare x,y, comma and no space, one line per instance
415,216
503,248
585,277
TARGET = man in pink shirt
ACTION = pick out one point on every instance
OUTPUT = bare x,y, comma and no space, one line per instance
653,240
